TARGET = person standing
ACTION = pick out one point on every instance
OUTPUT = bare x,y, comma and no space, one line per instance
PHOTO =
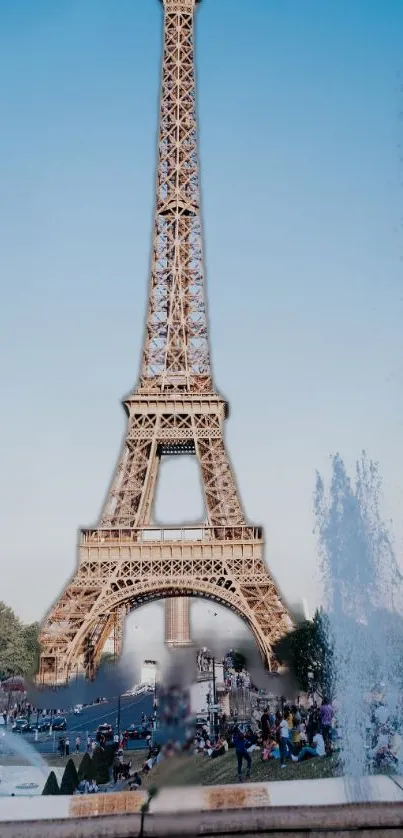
241,753
78,743
265,723
296,734
326,716
67,746
117,766
285,746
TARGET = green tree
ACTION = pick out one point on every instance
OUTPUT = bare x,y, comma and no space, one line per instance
30,635
70,779
51,785
19,644
100,766
308,653
85,771
13,653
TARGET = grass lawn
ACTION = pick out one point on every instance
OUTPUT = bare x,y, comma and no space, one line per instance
200,770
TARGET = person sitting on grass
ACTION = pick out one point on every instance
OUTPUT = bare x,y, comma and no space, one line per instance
91,787
318,749
387,748
220,748
135,781
241,753
302,734
147,766
269,748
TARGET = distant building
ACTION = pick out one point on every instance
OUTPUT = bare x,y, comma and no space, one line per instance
177,622
149,672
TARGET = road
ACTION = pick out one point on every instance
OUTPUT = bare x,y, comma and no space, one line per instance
87,722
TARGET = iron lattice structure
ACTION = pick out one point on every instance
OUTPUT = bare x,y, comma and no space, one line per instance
125,561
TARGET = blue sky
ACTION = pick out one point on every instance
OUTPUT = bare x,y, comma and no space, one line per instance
299,122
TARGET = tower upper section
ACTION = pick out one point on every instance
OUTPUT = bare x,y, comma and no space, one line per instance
179,5
176,354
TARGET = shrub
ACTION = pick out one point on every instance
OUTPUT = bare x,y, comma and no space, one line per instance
85,770
51,786
70,779
100,766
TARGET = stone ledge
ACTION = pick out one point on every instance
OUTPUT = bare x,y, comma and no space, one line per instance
206,810
375,819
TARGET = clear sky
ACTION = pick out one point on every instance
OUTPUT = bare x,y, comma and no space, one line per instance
299,119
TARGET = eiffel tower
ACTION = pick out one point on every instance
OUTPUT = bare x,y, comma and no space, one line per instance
175,409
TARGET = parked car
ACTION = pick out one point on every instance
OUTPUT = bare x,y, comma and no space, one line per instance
137,732
20,726
59,723
77,709
106,731
44,724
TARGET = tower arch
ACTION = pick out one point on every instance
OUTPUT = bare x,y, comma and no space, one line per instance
120,570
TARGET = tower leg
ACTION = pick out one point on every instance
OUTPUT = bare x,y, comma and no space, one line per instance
177,622
118,631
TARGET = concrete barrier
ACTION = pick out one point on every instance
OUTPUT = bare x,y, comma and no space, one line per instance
374,820
294,807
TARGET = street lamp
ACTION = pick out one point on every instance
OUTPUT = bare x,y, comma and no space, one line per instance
118,719
310,681
155,702
214,702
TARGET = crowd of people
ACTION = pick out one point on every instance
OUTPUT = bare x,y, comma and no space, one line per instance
290,734
384,741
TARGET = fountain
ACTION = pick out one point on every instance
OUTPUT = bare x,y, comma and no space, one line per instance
28,777
362,582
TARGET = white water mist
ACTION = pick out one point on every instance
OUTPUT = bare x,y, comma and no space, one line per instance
362,585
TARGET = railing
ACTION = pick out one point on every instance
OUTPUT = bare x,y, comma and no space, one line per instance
146,535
